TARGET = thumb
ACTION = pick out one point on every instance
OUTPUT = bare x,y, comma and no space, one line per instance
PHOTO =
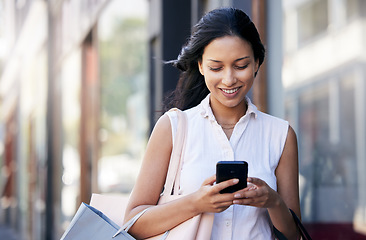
210,180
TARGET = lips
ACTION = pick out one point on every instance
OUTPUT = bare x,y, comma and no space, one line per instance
230,91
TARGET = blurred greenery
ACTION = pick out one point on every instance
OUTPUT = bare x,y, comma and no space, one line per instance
123,69
123,56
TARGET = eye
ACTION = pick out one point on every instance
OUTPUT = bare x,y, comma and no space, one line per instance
242,67
215,69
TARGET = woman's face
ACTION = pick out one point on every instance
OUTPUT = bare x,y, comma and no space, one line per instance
229,67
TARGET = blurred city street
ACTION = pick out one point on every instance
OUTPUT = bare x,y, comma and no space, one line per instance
7,233
82,84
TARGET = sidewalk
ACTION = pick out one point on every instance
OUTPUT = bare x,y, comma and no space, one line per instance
6,233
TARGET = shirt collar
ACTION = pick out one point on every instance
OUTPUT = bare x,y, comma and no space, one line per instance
206,110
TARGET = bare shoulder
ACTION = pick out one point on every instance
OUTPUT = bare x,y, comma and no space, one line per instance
289,158
162,126
291,137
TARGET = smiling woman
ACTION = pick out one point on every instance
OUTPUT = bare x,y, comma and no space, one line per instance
218,67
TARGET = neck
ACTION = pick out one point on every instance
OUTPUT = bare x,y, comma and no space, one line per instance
227,116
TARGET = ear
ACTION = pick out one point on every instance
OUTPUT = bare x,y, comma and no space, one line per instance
200,67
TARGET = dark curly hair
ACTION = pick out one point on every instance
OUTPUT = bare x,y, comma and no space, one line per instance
191,88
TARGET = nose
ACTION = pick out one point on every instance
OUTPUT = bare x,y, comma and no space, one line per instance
229,78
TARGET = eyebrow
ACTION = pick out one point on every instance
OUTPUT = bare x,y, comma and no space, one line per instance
213,60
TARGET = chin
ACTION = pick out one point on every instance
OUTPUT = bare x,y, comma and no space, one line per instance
231,105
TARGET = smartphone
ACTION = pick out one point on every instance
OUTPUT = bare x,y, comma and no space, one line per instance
226,170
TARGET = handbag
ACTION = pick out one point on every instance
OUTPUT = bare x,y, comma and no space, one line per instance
303,232
90,223
198,227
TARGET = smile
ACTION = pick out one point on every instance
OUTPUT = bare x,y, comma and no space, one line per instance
230,91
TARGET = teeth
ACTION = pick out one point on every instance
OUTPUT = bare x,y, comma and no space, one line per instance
230,91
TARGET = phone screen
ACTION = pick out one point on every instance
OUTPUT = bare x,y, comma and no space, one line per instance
226,170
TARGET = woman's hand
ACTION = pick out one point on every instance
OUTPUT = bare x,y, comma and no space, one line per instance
257,194
208,197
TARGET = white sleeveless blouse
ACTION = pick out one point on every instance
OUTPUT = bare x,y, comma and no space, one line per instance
257,138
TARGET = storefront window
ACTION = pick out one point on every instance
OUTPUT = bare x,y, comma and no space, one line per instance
326,106
312,19
124,87
352,8
327,166
71,84
324,116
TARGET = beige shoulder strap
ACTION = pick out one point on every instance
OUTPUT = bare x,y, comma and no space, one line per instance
173,174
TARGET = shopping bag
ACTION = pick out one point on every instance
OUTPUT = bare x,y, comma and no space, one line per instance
90,223
112,205
198,227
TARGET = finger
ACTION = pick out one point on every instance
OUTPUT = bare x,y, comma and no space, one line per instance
221,209
249,198
210,180
245,201
225,184
224,203
256,181
250,186
249,192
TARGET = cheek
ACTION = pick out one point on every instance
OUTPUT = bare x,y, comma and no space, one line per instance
245,75
211,82
212,77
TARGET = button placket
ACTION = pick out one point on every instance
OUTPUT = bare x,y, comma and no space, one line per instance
228,222
239,131
228,151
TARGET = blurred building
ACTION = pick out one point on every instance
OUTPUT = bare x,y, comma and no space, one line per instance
82,83
73,80
324,82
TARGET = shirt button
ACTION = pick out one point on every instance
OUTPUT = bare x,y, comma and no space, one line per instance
227,223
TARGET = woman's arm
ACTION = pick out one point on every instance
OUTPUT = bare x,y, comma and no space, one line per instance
287,174
150,183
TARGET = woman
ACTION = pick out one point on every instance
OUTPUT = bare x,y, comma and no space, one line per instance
219,64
